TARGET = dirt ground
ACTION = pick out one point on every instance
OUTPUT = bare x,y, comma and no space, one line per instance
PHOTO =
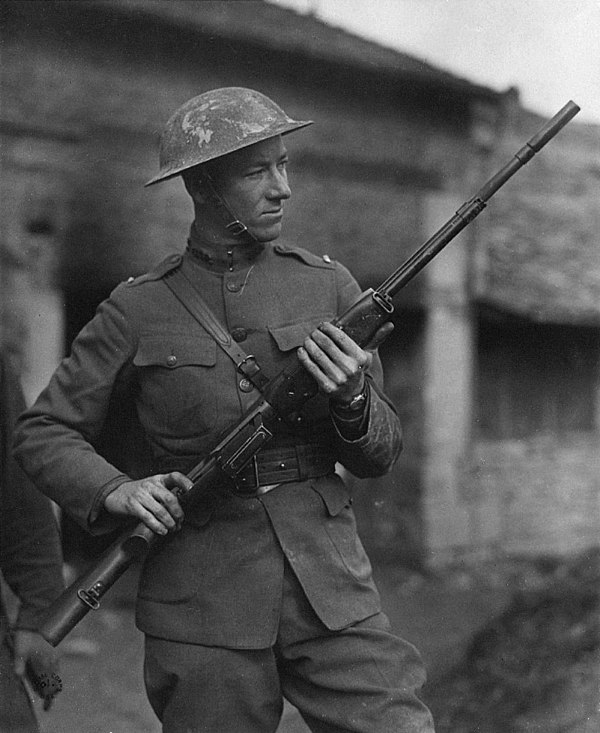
445,617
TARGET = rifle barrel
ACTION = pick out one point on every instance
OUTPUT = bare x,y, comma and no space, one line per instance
472,208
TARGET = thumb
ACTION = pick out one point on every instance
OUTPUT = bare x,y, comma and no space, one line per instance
380,336
177,482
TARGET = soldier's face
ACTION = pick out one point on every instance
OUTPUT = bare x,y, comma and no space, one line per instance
254,183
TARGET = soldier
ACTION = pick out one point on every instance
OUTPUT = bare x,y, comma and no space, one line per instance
31,564
263,590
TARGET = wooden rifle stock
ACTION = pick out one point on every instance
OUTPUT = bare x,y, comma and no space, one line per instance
283,397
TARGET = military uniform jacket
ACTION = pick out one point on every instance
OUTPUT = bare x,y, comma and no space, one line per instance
217,581
30,556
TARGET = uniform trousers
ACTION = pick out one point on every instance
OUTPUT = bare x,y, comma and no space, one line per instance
361,679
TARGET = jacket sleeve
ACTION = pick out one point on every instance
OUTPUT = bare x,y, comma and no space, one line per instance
30,552
379,444
54,439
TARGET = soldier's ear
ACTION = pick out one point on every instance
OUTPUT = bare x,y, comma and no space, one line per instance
193,187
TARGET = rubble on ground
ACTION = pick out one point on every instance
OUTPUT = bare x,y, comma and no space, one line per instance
536,667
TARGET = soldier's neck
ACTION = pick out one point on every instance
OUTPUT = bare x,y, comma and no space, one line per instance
222,254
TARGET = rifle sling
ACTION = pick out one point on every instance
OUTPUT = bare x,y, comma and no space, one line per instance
190,298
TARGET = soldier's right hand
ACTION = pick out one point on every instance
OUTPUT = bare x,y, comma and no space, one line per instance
151,500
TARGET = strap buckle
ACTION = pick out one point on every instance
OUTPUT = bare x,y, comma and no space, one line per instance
236,227
91,596
248,366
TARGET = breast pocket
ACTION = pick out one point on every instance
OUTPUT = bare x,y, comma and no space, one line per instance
288,338
178,381
292,335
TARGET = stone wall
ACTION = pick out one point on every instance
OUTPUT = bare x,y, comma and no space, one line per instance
534,496
537,259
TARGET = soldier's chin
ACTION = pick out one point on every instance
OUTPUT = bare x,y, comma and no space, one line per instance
267,233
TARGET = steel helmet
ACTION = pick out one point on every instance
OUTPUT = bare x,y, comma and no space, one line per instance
217,123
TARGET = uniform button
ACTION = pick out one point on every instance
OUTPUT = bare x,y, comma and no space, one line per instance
246,385
171,360
234,287
239,334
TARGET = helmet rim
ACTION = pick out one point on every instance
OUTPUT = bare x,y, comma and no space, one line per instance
195,135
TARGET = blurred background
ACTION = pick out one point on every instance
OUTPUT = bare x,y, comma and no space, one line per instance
485,536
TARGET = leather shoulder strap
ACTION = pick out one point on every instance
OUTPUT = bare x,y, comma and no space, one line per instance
195,304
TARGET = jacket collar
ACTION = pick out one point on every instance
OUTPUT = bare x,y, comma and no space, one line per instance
226,258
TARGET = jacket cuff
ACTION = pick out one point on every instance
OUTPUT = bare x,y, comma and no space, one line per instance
99,520
351,426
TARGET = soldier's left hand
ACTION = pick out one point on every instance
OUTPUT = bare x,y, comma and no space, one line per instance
336,362
31,649
31,646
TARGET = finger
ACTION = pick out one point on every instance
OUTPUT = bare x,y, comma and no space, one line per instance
343,350
341,339
351,367
333,364
174,510
166,509
324,383
327,345
332,358
150,499
177,483
152,522
340,386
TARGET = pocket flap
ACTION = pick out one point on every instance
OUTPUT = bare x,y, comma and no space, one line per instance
291,336
334,493
175,350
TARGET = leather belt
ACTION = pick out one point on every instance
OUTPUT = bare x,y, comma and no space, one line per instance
273,466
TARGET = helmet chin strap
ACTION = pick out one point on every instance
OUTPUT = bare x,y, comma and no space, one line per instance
232,224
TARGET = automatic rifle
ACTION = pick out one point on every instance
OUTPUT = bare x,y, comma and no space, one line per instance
282,398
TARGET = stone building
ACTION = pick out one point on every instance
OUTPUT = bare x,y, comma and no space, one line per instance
494,362
533,475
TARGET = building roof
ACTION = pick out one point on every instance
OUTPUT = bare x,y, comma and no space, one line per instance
284,29
540,240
